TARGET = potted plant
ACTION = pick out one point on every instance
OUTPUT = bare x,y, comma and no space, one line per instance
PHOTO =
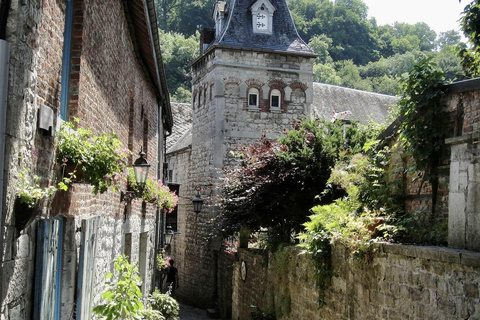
29,193
96,159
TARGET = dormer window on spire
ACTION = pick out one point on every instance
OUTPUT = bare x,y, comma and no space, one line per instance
262,16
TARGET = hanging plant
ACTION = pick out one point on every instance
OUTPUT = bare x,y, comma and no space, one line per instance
154,192
29,191
99,158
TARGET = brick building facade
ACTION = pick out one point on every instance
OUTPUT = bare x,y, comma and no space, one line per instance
99,61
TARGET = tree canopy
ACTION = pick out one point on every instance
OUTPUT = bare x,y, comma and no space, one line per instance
350,45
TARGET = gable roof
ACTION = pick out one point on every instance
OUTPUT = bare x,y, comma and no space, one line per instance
358,105
142,21
238,32
181,137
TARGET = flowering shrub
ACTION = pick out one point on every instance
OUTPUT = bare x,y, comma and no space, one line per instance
276,183
99,157
154,192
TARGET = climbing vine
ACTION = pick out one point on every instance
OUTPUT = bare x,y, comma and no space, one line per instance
423,128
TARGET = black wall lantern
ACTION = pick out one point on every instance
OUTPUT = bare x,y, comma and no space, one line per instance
168,235
140,168
197,201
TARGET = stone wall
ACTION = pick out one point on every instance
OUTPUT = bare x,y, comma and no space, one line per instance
109,90
464,186
398,282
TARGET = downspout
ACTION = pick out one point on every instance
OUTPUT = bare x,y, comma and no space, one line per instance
158,219
4,68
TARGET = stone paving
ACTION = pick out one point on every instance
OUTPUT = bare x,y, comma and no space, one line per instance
190,313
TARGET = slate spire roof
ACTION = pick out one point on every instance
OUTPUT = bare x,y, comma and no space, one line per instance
238,31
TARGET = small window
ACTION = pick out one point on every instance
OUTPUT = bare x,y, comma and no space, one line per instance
275,97
211,92
253,98
205,96
199,99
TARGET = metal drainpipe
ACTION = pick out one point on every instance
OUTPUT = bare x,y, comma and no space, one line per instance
159,213
4,66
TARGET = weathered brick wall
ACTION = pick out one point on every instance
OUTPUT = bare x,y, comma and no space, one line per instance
107,82
400,282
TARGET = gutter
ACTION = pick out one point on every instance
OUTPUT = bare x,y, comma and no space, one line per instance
155,41
4,67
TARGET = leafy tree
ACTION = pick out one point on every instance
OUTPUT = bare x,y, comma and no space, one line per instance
320,45
351,32
165,9
191,16
276,184
405,44
311,17
447,39
470,58
325,73
178,52
183,16
448,60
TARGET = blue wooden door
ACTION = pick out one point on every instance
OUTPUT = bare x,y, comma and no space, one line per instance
86,268
48,269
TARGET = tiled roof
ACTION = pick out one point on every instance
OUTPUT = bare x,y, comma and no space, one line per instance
358,105
239,32
182,124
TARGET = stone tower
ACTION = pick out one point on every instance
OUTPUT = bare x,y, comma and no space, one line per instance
253,77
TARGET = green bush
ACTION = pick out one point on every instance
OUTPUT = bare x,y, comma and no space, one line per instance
164,303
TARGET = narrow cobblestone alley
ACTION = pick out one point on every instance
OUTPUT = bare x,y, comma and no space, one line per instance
190,313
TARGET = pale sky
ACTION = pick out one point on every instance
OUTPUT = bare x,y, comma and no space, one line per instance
440,15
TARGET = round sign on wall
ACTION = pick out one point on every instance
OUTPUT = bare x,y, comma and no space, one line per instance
243,270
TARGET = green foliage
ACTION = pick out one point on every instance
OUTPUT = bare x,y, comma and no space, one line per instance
423,127
123,296
297,167
151,314
178,52
100,157
470,58
469,21
154,192
164,303
29,190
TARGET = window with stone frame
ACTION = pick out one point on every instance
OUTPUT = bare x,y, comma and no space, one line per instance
211,92
205,96
253,98
200,99
275,99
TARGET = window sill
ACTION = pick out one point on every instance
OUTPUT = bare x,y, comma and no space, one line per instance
275,110
253,108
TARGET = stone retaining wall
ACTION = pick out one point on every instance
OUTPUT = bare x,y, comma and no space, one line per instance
399,282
